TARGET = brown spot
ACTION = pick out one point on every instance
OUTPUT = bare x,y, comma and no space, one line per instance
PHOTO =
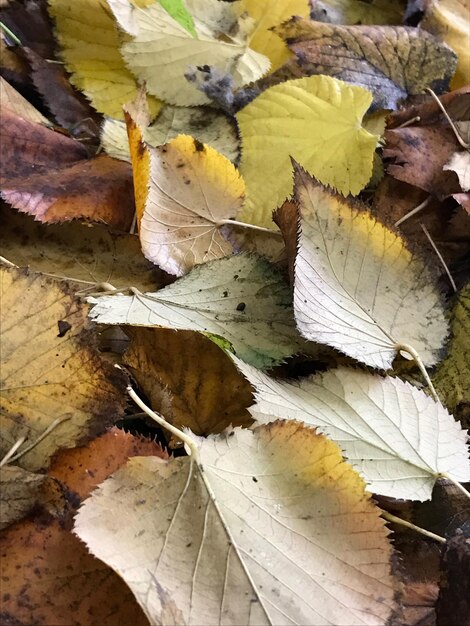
199,147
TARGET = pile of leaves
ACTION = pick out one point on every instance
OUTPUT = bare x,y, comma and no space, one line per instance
235,312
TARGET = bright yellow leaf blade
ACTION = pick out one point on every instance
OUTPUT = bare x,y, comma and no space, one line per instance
269,13
91,50
192,191
51,369
449,20
315,120
265,527
160,50
357,286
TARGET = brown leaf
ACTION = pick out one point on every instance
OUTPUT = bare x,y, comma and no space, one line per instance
48,575
90,255
207,392
47,174
453,605
287,218
51,370
13,100
20,492
418,604
456,103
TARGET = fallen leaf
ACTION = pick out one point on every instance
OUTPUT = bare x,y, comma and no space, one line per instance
460,164
452,376
261,514
48,574
160,50
241,299
193,190
208,125
51,370
418,604
48,175
358,11
269,13
453,606
321,117
357,287
87,255
20,492
207,392
14,101
448,19
393,62
398,438
90,48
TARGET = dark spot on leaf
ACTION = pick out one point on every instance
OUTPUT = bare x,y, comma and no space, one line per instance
241,306
254,479
199,147
225,294
64,327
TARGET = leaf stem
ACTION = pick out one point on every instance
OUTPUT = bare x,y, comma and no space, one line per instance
440,257
276,233
42,436
11,34
398,520
161,421
446,115
455,483
417,209
405,347
12,451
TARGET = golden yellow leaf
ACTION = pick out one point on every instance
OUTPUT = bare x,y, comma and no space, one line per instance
192,192
231,533
51,370
358,11
315,120
160,51
91,50
269,13
449,20
205,390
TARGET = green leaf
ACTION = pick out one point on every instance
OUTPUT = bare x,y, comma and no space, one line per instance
178,11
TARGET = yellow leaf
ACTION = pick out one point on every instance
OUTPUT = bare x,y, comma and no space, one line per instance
160,51
51,369
269,13
315,120
359,11
193,190
448,19
90,48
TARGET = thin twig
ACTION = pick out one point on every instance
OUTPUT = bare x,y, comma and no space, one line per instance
440,257
463,143
409,122
12,451
11,34
405,347
48,430
398,520
417,209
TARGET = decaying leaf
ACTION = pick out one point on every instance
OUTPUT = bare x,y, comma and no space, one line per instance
48,574
357,287
448,19
396,436
192,191
452,376
269,13
242,299
160,50
268,527
87,255
90,48
206,391
393,62
13,100
48,175
20,492
51,370
207,125
321,117
358,11
460,164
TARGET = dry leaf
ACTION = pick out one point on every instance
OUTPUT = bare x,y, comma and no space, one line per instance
270,527
321,118
452,376
48,574
51,369
161,51
396,436
89,255
48,175
90,48
453,605
448,19
192,191
13,100
393,62
20,492
357,287
240,301
460,164
206,391
358,11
